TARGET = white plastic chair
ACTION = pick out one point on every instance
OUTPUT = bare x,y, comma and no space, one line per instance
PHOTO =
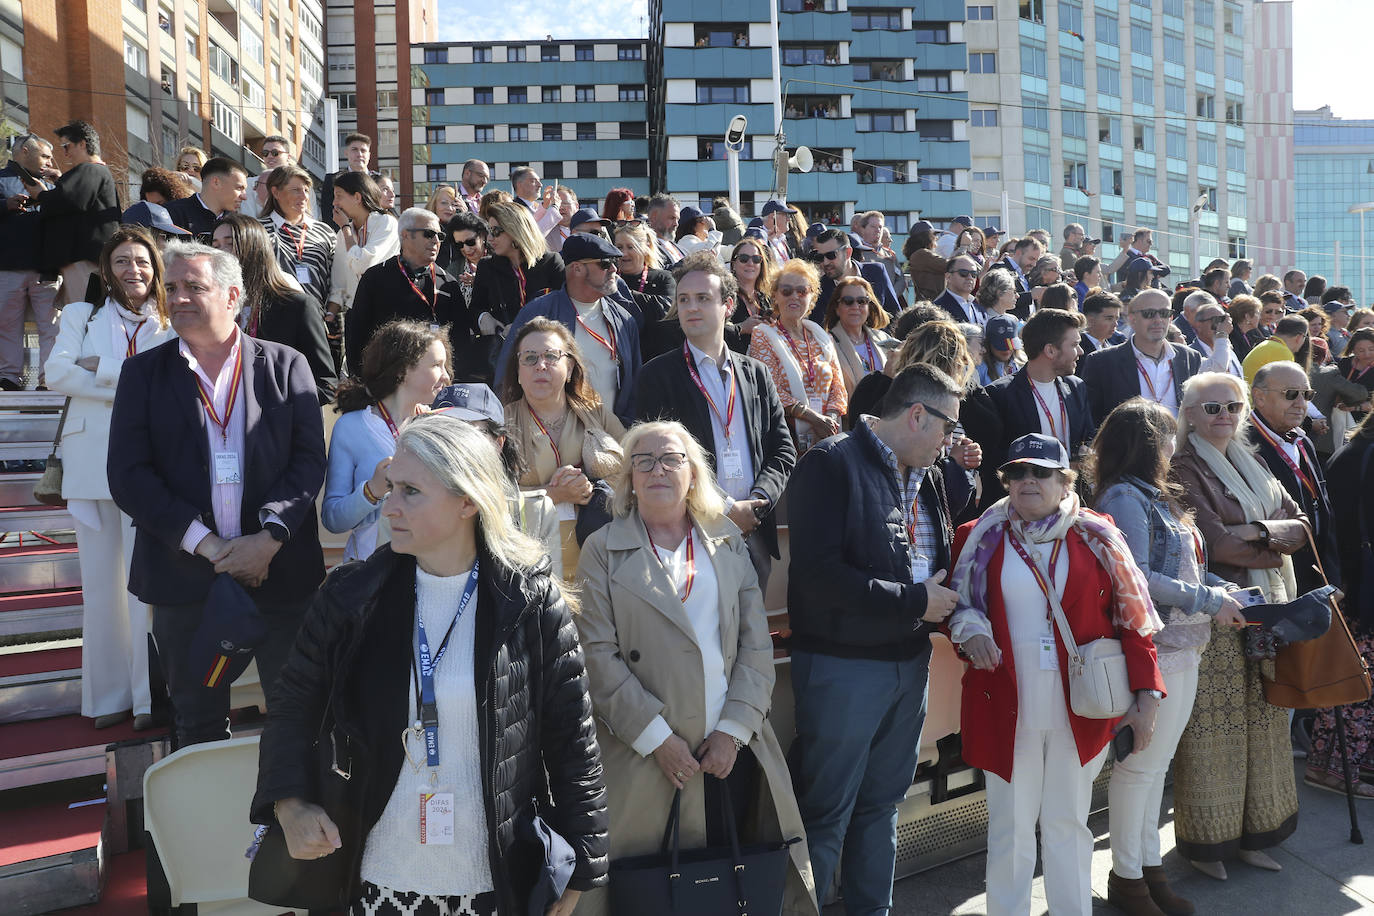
246,690
196,811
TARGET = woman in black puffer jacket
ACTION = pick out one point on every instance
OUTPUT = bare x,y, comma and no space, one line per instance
508,682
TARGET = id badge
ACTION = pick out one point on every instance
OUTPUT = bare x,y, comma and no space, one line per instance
817,404
1049,656
227,468
920,568
436,819
303,275
567,512
731,464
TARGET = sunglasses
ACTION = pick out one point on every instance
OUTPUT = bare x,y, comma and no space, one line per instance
855,300
1152,314
827,255
964,272
786,291
950,424
603,263
1021,471
1215,320
1292,394
530,359
645,464
749,259
622,223
496,232
468,243
427,233
1212,408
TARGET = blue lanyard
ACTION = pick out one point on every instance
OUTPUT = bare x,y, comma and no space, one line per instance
424,675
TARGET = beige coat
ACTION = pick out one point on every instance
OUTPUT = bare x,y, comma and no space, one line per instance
643,661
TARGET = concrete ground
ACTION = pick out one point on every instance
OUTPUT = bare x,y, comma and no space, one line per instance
1324,874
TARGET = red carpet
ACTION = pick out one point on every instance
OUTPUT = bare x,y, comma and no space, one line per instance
15,664
42,736
126,888
49,830
60,598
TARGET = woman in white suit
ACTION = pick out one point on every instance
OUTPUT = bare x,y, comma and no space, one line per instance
92,344
369,236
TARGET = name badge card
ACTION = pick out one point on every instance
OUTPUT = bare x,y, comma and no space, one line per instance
227,468
1049,656
303,275
731,464
436,819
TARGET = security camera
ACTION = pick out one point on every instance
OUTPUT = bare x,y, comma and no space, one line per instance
1200,204
734,134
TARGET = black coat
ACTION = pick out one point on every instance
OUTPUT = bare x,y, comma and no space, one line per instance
1317,508
296,321
1016,404
190,214
1352,516
384,294
1086,344
654,300
349,677
666,391
1112,376
496,289
78,215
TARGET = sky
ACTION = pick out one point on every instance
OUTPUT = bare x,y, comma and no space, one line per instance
1330,38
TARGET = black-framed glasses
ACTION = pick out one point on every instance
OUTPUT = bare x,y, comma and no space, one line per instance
950,423
530,359
1152,314
749,258
1212,408
468,243
622,223
855,300
964,272
785,291
645,463
1291,394
603,263
1020,471
427,233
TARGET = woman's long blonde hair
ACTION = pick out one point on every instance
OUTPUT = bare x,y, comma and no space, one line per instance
1191,398
704,502
516,222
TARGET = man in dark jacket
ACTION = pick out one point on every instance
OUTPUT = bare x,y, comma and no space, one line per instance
223,189
1146,365
22,285
217,454
727,402
870,549
78,215
834,252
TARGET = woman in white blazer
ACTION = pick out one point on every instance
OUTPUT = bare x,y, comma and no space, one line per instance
92,344
369,236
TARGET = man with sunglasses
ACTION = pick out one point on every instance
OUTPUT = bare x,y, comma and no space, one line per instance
475,178
961,275
1146,365
22,285
833,252
1213,339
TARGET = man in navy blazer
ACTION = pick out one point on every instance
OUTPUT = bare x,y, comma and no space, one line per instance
1146,365
961,275
217,454
833,250
1044,396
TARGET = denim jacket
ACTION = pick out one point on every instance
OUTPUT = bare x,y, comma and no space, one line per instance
1150,527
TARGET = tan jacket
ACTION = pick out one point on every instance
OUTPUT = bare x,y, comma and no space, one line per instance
643,661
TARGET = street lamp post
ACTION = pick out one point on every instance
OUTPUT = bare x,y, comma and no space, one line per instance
1362,209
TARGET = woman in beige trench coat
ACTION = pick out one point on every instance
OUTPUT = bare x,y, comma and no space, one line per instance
680,661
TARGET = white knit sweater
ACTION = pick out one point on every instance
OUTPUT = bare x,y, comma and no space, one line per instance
393,856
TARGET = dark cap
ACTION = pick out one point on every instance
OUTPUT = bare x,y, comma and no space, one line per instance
1091,241
966,220
922,225
1000,332
470,402
857,243
587,215
154,216
777,206
1039,449
1336,305
993,232
755,223
689,215
230,629
579,247
1305,618
815,229
1147,264
755,232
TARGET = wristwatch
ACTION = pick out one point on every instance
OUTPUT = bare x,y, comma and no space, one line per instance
280,533
739,745
1157,694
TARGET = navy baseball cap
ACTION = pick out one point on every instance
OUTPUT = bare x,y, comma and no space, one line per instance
922,224
993,232
1039,449
966,220
755,232
578,247
587,215
230,629
1000,333
154,216
689,215
815,229
1147,264
470,402
777,206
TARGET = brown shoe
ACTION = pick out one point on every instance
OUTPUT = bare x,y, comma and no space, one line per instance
1163,895
1131,896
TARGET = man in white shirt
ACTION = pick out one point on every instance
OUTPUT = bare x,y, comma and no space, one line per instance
776,215
957,299
1146,365
1213,341
944,245
530,191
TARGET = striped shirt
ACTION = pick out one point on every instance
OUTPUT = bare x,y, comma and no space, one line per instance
924,544
308,259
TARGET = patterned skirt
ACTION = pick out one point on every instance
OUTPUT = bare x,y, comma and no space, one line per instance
384,901
1233,770
1359,730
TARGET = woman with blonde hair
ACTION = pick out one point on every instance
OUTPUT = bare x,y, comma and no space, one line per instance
651,287
443,202
670,578
520,270
855,320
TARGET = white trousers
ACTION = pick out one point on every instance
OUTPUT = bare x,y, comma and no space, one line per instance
114,624
21,291
1137,784
1049,787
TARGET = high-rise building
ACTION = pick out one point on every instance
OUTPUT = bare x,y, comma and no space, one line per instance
369,51
1269,110
1333,169
574,110
217,74
876,91
1115,114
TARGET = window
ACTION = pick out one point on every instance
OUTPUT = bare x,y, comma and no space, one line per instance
586,130
1173,8
549,53
311,67
797,55
1035,112
1235,157
1205,57
886,173
481,55
1075,123
1070,17
936,130
436,55
1038,168
634,168
937,179
253,94
1075,175
1033,61
221,64
551,94
1142,42
630,93
1109,130
482,95
553,169
1145,186
586,168
1206,151
1034,10
1107,30
193,46
1232,21
1173,48
484,133
628,52
519,133
932,81
879,121
982,63
1205,14
135,56
1175,97
250,45
1178,193
1143,138
1175,143
337,61
1235,67
1235,112
987,176
1210,193
226,119
386,98
979,13
1206,105
1111,181
931,32
517,95
983,117
584,52
1071,69
1235,245
515,54
435,173
1108,80
552,132
1142,87
709,150
723,92
349,100
436,97
137,120
866,20
633,130
434,135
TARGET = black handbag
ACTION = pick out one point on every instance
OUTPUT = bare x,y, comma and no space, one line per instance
713,881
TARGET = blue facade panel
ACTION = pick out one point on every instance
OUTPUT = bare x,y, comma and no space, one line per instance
720,63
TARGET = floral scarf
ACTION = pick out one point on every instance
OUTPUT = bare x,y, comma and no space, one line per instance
1130,592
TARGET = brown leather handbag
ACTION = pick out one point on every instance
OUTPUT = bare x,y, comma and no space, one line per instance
1322,672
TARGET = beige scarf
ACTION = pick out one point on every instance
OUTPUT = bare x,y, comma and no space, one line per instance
850,364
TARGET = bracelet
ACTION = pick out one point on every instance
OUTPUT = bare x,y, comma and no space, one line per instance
1264,534
368,494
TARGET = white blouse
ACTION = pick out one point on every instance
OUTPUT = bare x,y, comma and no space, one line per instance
1040,694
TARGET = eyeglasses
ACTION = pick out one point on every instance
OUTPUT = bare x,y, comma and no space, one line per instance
786,291
496,232
64,145
964,272
828,255
1151,314
645,463
270,153
604,263
855,300
749,258
427,233
1292,394
622,223
1021,471
530,359
950,424
1215,320
1212,408
468,243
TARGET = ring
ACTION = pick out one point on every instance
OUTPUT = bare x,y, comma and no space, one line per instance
680,775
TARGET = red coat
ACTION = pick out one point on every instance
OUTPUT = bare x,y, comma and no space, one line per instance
987,717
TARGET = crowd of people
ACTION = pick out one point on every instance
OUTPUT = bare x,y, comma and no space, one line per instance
565,444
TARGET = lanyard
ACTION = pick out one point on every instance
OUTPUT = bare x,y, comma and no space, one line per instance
643,279
520,276
1149,382
386,418
1295,467
1354,376
691,563
872,354
608,344
1040,580
131,340
810,363
425,701
557,455
1063,412
207,398
434,281
729,417
287,230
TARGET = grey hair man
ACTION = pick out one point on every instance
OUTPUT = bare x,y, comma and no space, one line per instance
23,286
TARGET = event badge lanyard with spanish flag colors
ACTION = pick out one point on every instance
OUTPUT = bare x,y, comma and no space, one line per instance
227,469
1049,655
436,808
731,459
690,566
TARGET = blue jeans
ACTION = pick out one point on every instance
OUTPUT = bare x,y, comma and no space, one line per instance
858,737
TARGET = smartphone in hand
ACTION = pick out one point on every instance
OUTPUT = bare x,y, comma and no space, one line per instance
1123,743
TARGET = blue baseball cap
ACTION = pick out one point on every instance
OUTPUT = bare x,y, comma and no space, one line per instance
777,206
153,216
1038,449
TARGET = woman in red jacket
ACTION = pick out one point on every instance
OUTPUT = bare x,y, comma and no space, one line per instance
1040,758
